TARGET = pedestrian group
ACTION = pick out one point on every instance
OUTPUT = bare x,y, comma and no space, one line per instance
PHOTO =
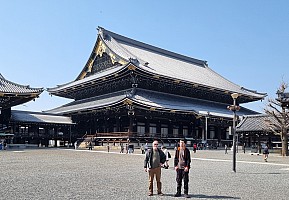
156,158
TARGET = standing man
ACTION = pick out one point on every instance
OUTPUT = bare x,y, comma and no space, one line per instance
226,149
182,166
154,159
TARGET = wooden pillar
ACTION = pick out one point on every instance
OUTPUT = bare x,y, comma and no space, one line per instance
170,129
130,128
147,127
55,136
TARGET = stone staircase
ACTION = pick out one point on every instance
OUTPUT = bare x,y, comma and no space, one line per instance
85,141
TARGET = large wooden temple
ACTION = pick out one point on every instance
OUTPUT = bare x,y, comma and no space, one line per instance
132,90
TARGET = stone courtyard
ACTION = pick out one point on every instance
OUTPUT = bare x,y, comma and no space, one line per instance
82,174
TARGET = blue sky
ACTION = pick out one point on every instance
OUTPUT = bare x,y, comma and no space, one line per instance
46,43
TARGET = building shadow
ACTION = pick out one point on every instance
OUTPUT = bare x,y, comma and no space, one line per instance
270,173
202,196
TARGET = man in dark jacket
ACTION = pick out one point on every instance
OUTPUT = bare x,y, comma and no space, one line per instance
154,159
182,165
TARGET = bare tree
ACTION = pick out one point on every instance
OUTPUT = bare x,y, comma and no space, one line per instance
278,110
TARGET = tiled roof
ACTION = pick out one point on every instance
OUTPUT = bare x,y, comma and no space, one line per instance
90,103
8,87
151,99
174,102
166,63
160,62
38,117
89,78
255,123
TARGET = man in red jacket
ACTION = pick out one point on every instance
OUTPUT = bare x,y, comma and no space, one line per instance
182,166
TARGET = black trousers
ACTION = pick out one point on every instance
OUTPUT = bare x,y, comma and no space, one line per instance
182,175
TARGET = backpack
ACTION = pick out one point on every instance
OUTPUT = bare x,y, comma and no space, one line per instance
169,155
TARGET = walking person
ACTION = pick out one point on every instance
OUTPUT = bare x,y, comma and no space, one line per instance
226,149
182,166
266,153
153,161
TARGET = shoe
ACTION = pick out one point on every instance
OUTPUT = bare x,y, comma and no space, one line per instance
150,194
186,196
161,194
177,194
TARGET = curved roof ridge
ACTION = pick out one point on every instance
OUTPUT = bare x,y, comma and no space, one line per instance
153,48
257,115
254,91
104,38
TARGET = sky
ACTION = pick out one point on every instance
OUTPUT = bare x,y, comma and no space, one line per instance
47,43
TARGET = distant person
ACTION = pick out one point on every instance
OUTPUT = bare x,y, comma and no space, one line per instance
195,148
108,148
142,149
168,156
153,161
182,166
226,149
90,146
121,148
266,153
146,147
126,148
4,145
130,148
75,145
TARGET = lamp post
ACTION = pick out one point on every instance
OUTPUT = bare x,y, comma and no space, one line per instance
234,108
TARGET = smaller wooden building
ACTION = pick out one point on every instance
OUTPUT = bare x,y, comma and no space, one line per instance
253,130
23,127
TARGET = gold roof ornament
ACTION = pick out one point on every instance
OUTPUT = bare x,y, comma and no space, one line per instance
127,102
131,67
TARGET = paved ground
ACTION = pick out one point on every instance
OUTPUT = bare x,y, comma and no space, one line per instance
81,174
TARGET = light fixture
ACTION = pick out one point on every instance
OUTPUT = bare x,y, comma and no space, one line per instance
235,95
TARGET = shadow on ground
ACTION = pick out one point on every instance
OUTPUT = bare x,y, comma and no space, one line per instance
202,196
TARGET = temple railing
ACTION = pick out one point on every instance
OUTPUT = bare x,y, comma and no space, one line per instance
134,134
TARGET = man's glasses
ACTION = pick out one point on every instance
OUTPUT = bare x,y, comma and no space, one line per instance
156,144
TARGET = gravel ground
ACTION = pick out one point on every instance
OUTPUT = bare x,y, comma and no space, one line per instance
81,174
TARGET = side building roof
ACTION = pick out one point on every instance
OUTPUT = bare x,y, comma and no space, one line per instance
39,118
255,123
12,94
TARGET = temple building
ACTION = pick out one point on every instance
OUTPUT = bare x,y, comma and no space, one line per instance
136,91
25,127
